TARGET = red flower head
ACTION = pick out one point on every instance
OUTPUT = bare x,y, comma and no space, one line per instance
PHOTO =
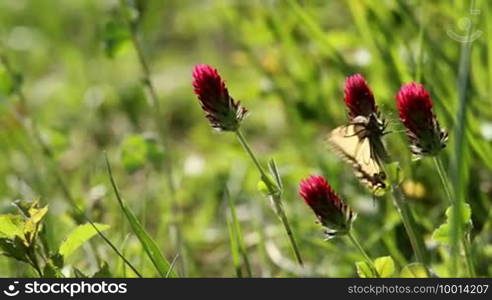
331,212
415,108
358,97
221,110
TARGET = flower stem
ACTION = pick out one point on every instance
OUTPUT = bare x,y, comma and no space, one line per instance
407,218
246,147
447,188
359,247
274,193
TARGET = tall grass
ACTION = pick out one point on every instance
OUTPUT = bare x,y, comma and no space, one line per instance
286,62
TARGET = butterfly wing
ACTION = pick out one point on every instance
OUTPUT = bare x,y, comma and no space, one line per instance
349,142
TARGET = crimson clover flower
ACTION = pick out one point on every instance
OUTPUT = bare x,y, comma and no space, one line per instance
221,110
415,108
330,210
359,97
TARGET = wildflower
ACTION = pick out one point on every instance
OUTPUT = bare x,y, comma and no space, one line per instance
359,97
415,108
360,142
221,110
331,212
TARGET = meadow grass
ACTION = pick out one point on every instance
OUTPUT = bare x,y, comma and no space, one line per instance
115,77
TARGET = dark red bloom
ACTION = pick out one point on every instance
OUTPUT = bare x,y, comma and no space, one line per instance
221,110
414,105
331,212
358,97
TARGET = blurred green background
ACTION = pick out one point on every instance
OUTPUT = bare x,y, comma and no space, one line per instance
286,61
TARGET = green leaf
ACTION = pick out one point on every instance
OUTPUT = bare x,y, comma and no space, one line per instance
11,226
465,213
442,234
149,245
7,86
234,248
363,270
385,266
262,187
33,223
275,173
235,234
14,248
116,36
134,153
78,236
414,270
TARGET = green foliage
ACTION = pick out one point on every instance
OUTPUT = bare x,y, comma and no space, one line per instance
136,151
385,266
11,226
441,234
363,270
147,242
7,87
116,38
286,61
26,227
414,270
78,236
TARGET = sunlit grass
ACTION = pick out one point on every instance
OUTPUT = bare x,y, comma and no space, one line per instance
88,91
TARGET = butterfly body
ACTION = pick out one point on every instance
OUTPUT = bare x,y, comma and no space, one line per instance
360,144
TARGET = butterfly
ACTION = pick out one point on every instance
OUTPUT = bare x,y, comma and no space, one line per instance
360,144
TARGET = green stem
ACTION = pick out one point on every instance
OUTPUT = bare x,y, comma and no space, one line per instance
246,147
288,230
31,254
444,180
458,164
237,228
359,247
160,125
407,218
275,194
451,199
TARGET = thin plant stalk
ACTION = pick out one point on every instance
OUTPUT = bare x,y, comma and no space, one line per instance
30,126
159,123
447,188
236,228
233,240
149,245
458,163
359,247
275,194
408,221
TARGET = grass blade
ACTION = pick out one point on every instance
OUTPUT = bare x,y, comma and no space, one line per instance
234,249
236,227
150,246
459,167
